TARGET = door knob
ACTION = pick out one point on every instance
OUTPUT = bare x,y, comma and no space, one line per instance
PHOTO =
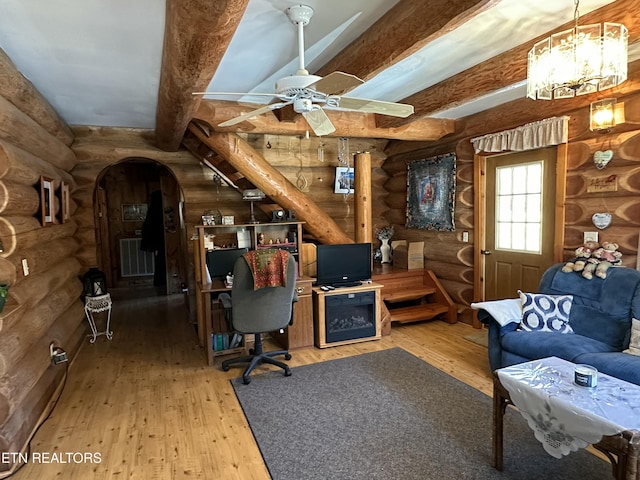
485,252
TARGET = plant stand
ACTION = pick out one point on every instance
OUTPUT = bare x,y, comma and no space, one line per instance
98,304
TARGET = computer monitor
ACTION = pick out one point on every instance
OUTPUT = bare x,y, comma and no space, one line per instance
220,262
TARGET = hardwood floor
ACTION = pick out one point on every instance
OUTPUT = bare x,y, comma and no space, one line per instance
148,406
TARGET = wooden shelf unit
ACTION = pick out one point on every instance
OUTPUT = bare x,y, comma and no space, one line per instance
412,296
208,291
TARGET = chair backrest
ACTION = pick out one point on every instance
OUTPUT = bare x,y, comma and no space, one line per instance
602,308
263,310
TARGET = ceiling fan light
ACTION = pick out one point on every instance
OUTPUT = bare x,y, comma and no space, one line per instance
578,61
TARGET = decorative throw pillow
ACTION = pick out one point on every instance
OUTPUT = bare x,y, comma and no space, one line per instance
545,313
634,344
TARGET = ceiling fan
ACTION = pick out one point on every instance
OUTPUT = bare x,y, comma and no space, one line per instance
309,94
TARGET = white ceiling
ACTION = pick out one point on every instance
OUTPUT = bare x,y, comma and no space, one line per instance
98,62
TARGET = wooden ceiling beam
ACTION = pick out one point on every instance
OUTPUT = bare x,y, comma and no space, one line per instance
407,27
505,69
524,110
348,124
197,34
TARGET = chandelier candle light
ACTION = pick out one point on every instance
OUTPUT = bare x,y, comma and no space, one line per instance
578,61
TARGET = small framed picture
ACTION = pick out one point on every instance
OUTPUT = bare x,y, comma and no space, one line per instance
227,220
134,212
65,214
47,201
208,220
344,180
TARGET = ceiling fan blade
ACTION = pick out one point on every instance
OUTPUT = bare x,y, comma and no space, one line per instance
253,113
319,122
336,82
376,106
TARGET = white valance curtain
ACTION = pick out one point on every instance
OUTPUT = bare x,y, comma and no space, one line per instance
550,131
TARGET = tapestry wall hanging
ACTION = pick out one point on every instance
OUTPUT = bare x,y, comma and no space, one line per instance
431,190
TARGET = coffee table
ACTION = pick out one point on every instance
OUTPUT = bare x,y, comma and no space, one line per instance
566,417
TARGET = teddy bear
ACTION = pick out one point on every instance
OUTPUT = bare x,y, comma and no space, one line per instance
582,256
607,256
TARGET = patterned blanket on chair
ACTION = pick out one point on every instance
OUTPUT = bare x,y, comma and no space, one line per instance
268,267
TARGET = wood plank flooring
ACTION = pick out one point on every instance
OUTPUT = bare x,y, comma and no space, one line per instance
150,408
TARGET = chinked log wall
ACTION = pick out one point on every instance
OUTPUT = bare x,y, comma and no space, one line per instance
446,255
296,158
46,305
452,260
623,171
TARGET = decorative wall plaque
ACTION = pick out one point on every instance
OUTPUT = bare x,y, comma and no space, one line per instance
603,184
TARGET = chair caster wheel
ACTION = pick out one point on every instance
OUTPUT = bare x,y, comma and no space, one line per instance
225,367
287,373
287,356
246,380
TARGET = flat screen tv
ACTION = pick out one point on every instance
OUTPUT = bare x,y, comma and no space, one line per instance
343,264
221,261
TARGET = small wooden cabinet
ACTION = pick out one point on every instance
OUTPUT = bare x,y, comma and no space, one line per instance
348,297
300,333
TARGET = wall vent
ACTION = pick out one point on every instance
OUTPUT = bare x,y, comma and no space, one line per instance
133,261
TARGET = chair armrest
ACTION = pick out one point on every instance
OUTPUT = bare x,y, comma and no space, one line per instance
496,331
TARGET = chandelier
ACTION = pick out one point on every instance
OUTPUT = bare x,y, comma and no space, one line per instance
578,61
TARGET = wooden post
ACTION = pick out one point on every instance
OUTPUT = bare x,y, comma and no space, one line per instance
362,215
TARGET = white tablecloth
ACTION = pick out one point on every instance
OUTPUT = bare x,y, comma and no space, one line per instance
563,415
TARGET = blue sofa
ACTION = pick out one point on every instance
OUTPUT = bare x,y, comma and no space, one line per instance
600,317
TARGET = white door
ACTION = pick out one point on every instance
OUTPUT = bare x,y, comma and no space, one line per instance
520,219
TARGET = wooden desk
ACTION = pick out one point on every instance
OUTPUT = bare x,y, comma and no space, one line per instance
205,326
299,334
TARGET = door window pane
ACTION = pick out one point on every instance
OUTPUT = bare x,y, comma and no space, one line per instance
519,207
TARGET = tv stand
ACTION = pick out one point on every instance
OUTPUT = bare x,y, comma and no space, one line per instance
359,302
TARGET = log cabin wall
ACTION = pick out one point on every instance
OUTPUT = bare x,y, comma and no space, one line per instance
44,304
614,190
452,260
297,159
446,254
97,149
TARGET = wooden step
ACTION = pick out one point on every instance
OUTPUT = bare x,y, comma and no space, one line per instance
417,312
408,294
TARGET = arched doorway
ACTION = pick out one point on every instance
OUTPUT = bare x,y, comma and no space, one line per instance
140,233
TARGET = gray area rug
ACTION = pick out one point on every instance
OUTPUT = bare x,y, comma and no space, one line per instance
390,415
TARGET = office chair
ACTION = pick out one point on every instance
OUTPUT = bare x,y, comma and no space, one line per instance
257,311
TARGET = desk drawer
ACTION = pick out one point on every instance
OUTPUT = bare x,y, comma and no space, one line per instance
303,286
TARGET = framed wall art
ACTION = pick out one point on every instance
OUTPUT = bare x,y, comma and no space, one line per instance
65,214
134,212
344,180
431,189
47,201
